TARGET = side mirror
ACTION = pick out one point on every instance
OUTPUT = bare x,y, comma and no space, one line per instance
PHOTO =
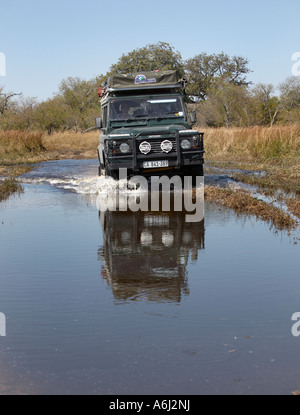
99,123
193,117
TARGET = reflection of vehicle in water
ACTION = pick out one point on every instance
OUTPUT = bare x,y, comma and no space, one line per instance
145,254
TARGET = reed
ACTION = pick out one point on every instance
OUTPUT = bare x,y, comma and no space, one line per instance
260,144
15,144
242,202
72,141
8,187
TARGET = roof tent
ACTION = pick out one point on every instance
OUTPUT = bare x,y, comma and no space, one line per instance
144,80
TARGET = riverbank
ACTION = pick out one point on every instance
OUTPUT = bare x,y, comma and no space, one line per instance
275,152
268,158
21,150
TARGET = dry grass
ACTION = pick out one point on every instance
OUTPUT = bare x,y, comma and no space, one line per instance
243,202
30,146
254,143
73,145
284,177
8,187
294,206
275,150
20,144
19,150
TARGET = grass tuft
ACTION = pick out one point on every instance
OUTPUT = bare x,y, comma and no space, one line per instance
8,187
16,144
243,202
274,144
72,141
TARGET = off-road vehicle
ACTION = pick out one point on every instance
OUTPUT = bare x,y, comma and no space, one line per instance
145,127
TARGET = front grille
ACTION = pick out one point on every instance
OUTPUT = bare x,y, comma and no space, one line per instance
156,144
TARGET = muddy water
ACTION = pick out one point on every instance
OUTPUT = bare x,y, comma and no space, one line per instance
141,303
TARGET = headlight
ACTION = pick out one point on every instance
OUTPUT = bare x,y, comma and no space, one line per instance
185,144
124,148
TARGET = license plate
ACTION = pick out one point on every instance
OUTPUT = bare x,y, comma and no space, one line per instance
155,164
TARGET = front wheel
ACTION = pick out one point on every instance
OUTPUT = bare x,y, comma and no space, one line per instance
194,172
103,170
197,171
114,174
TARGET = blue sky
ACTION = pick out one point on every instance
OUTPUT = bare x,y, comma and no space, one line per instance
46,41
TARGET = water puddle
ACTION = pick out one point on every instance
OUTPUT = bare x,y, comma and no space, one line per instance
120,302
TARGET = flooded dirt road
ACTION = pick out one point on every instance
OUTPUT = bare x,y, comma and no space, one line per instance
141,303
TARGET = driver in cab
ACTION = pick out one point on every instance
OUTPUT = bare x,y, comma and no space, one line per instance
124,113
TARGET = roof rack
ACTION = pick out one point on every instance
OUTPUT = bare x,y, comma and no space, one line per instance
142,81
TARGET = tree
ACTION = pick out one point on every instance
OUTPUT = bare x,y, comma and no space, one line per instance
25,112
269,104
228,103
52,114
6,100
81,98
159,56
290,99
290,92
203,70
78,94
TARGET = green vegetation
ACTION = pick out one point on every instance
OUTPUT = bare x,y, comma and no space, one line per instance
160,56
217,84
206,72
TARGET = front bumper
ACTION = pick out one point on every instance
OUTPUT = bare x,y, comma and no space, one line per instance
176,159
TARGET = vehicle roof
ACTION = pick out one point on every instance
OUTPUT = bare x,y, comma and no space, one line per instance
143,80
140,94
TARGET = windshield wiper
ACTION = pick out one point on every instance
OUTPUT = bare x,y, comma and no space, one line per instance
168,115
141,115
126,120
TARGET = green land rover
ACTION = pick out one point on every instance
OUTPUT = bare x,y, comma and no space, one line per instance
145,127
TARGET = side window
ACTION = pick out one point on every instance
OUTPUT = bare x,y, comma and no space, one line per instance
104,116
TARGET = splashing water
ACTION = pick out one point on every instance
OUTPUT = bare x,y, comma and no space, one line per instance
74,175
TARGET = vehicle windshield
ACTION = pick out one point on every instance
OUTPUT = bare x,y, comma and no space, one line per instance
139,108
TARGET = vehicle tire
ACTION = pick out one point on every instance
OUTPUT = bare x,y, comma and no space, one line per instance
197,170
100,167
194,172
114,174
103,171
